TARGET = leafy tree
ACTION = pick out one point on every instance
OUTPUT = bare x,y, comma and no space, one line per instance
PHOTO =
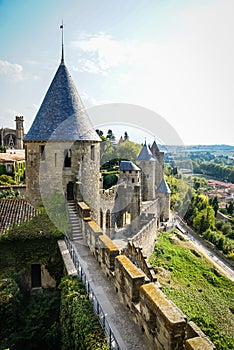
230,208
126,137
128,150
110,135
215,204
99,132
107,151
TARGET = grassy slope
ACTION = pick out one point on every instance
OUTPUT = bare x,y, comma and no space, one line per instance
196,287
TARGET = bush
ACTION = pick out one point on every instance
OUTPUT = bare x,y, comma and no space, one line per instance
80,328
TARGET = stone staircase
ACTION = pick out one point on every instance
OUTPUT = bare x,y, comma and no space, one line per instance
75,224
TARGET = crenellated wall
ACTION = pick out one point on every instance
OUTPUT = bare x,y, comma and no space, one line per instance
164,324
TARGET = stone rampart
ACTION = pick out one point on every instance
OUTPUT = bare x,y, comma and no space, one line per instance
164,324
107,252
146,237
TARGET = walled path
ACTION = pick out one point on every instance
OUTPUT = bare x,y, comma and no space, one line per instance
127,333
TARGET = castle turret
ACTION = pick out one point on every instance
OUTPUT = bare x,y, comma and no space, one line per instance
62,147
159,165
19,131
146,162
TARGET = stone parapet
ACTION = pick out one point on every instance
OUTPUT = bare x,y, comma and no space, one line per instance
128,279
165,323
107,252
162,321
199,344
93,231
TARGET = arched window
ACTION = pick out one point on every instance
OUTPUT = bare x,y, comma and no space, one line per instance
67,158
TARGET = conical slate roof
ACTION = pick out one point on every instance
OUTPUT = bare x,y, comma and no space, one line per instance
62,116
154,147
163,187
145,153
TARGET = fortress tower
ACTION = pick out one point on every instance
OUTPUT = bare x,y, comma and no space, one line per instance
62,147
146,162
154,186
19,132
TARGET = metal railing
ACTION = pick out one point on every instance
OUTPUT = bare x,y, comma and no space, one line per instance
111,340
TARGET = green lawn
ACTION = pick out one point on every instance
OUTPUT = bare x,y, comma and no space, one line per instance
196,287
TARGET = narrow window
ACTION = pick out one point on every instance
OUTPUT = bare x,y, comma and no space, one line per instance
55,159
92,153
42,152
133,180
67,158
36,275
26,152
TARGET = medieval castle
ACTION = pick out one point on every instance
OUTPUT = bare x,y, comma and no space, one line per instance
63,154
119,225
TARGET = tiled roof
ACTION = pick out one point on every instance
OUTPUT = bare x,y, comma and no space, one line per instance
163,187
14,211
145,153
154,147
62,115
128,165
12,157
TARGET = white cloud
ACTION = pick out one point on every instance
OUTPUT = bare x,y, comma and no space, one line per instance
14,71
188,78
102,53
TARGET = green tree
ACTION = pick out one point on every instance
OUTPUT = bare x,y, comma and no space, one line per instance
128,150
215,204
110,135
230,208
107,151
126,137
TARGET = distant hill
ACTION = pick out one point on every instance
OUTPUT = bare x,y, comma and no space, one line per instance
214,149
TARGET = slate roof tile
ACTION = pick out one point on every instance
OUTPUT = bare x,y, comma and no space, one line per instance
62,116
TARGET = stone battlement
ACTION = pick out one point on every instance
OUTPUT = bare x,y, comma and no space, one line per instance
164,324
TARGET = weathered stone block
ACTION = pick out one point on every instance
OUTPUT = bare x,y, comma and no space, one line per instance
109,251
166,322
198,344
128,278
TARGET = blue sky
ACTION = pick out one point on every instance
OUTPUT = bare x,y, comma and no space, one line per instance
173,57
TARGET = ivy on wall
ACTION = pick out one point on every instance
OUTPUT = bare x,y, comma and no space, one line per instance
80,328
33,242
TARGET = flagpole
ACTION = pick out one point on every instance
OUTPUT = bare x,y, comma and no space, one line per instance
62,59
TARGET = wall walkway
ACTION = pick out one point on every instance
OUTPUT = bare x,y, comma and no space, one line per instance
119,318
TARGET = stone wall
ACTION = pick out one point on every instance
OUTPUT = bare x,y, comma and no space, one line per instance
146,237
165,325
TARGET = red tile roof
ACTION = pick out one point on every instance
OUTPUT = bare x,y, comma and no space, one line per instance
14,211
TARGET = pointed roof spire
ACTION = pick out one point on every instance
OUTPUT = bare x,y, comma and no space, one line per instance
62,116
145,153
154,148
62,58
163,187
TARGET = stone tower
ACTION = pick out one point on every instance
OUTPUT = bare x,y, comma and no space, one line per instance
19,131
154,186
128,197
62,147
146,162
159,164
